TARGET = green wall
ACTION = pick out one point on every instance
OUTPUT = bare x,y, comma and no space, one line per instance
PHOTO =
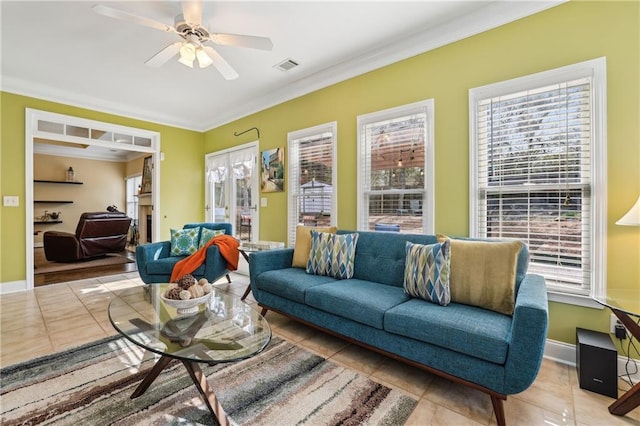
182,169
567,34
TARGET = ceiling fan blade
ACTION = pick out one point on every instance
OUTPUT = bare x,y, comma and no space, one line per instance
221,65
126,16
192,12
164,55
254,42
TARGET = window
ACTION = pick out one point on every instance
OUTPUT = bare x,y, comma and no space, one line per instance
312,177
133,186
538,158
395,169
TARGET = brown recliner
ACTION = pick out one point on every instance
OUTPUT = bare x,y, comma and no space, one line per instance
96,235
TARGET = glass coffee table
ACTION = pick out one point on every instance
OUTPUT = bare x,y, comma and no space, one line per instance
224,329
247,247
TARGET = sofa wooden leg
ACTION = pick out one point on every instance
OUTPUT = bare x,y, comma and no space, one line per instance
264,311
498,408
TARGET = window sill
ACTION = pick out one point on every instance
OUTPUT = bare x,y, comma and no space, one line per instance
573,299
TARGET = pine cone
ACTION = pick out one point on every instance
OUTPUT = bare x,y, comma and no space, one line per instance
186,281
173,293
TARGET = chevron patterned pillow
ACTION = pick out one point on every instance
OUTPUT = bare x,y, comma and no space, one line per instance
426,272
332,254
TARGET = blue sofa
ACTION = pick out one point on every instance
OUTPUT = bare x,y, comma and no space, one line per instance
155,263
495,353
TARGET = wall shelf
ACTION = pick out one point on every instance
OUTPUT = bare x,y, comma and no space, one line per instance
57,181
53,201
46,222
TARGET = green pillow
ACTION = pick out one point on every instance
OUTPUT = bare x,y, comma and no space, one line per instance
206,234
483,273
184,241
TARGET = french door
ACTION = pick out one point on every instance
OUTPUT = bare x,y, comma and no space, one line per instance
232,189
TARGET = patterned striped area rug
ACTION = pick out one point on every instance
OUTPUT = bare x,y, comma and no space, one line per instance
284,385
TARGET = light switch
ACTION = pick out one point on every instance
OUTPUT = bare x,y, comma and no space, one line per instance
10,201
263,202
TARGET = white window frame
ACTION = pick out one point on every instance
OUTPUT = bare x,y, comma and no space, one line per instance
596,70
422,107
293,141
132,189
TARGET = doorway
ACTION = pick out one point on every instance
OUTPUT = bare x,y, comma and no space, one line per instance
67,136
231,189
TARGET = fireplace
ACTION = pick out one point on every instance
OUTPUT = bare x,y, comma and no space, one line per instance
145,215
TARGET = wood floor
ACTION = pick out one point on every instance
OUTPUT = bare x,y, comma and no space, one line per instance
82,273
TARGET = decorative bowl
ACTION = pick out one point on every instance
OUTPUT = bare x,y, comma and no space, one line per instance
188,306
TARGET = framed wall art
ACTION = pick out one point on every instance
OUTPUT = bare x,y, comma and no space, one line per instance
147,175
272,179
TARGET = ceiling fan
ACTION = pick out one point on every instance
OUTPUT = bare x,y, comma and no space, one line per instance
188,26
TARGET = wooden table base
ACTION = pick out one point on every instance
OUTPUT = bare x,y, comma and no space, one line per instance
199,380
631,398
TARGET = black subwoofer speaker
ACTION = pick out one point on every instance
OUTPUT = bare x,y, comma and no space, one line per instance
597,362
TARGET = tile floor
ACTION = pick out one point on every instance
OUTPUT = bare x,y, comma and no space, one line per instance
60,316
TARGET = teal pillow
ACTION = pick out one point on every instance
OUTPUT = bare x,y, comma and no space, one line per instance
332,254
427,270
184,241
206,234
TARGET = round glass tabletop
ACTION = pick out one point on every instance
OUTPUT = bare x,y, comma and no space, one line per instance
222,329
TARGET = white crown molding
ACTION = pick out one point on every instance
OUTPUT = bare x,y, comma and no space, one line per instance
52,94
495,14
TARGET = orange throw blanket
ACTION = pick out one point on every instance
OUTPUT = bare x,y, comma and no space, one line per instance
228,246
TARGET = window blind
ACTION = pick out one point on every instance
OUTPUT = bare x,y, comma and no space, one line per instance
534,176
392,164
311,177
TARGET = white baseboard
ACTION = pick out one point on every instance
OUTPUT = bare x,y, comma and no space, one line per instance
565,353
13,287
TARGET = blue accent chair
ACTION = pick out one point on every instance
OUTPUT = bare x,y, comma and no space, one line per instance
155,262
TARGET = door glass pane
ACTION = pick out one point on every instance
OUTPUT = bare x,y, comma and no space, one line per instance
242,173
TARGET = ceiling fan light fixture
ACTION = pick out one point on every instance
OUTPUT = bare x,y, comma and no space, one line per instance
186,61
203,59
187,54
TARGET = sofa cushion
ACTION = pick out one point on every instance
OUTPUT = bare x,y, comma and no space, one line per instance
358,300
303,243
332,254
207,234
483,273
462,328
426,272
290,283
380,256
164,266
184,241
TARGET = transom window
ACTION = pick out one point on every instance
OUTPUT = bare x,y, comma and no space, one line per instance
395,169
538,146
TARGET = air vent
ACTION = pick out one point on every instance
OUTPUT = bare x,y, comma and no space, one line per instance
286,65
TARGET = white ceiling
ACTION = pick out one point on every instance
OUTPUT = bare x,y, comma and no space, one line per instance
65,52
